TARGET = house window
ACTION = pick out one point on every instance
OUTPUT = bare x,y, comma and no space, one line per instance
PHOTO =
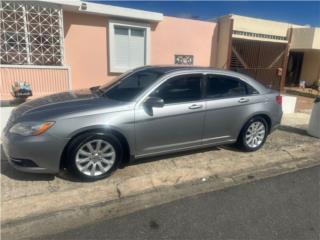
30,34
129,46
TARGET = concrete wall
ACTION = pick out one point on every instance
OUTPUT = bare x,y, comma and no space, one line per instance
305,38
86,45
316,39
85,48
44,80
310,71
224,31
5,113
186,37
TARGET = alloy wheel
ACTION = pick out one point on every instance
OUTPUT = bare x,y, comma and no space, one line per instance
95,157
255,134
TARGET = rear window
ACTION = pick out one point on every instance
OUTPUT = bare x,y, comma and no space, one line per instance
251,90
227,87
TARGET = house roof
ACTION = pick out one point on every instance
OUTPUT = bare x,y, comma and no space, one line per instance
260,20
106,10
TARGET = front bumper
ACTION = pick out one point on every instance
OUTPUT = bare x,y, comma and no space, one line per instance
35,154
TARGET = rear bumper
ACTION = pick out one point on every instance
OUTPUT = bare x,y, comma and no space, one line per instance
40,154
276,121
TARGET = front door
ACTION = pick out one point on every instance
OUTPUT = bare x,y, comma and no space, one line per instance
294,69
176,125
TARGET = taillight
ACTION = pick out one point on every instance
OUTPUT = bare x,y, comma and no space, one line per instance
279,99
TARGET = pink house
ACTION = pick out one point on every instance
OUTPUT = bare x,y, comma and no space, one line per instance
58,46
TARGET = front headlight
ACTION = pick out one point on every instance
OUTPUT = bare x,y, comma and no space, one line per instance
30,128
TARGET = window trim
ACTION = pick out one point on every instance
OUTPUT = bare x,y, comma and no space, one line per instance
111,25
206,97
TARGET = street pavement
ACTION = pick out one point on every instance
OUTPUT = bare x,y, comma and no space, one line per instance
286,207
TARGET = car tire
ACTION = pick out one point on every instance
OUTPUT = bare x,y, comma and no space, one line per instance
94,155
253,135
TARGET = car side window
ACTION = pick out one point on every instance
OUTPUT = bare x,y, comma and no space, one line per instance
185,88
219,86
251,90
132,85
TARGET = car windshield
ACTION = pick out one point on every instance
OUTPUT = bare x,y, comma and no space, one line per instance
129,85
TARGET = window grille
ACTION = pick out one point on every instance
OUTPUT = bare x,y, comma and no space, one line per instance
30,34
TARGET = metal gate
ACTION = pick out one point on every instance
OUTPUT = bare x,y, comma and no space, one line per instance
264,61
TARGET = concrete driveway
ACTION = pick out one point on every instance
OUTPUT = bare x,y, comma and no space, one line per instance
28,199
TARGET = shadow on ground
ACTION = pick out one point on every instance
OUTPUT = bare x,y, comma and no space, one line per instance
173,155
296,130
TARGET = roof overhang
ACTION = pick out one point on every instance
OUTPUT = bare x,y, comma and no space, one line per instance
259,29
106,10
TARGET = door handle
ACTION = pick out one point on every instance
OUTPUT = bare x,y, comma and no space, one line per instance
243,100
195,106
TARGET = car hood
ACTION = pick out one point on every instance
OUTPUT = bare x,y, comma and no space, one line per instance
61,104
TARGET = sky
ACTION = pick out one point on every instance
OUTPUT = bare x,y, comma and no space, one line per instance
298,12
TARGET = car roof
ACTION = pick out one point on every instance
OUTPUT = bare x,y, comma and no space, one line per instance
165,69
174,68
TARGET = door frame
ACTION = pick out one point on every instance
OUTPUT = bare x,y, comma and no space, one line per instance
140,101
300,56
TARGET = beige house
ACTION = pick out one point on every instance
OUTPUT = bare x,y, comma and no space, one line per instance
276,53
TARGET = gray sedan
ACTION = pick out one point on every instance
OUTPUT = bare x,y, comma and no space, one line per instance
148,111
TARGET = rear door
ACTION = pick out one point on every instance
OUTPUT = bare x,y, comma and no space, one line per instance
229,102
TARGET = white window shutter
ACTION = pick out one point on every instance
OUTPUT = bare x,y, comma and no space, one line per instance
121,46
137,48
129,45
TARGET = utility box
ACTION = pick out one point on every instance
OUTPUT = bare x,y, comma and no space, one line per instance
314,124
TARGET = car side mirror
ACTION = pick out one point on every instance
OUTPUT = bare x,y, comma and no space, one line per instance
154,102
